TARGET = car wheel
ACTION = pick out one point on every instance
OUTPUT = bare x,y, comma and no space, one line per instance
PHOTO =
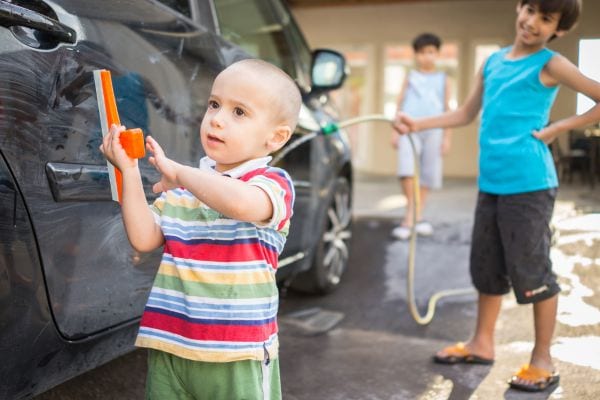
332,251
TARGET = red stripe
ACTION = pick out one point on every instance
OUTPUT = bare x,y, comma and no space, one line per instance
252,174
285,185
221,252
272,258
222,333
283,182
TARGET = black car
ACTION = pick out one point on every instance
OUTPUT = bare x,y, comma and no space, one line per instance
71,287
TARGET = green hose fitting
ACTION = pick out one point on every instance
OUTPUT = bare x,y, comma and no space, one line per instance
329,129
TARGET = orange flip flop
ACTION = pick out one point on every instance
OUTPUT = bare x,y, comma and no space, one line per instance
458,353
539,379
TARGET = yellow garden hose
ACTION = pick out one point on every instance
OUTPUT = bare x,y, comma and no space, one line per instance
426,319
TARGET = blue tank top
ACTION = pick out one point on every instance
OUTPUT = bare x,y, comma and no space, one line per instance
514,104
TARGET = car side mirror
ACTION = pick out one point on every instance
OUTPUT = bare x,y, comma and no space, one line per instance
328,71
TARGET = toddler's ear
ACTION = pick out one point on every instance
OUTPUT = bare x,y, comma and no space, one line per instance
279,137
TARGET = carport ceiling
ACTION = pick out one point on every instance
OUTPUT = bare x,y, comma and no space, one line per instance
327,3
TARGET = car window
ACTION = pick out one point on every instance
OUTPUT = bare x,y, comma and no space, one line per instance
181,6
257,27
303,53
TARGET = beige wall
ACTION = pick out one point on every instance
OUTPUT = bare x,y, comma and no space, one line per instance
466,22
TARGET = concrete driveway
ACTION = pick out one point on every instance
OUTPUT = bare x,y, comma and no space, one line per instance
378,352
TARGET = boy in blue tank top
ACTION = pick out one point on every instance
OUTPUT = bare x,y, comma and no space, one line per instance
515,90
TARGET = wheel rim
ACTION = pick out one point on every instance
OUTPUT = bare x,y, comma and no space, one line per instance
337,236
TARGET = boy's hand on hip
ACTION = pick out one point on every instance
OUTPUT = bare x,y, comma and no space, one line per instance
165,166
546,135
403,124
113,150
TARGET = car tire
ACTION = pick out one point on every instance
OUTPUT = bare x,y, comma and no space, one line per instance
332,252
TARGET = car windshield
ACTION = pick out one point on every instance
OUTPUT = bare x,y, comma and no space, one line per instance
260,28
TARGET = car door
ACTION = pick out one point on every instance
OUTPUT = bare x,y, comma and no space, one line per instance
162,65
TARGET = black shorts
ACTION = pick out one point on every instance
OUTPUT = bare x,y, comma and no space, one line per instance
511,245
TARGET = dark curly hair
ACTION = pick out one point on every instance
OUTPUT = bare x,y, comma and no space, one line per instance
426,39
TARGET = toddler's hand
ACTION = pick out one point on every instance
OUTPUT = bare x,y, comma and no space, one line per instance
403,124
113,150
165,166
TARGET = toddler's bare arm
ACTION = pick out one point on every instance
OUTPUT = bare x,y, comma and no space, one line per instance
231,197
142,231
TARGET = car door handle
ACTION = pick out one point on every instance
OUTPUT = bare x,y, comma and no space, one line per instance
84,182
14,15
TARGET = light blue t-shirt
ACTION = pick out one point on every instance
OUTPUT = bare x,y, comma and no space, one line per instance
515,103
425,94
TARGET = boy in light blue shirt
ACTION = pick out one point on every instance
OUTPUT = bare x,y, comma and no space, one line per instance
515,90
425,92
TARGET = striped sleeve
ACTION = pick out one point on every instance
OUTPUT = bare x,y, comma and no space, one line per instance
157,207
277,184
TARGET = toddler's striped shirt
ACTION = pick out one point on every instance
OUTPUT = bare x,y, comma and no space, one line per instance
215,297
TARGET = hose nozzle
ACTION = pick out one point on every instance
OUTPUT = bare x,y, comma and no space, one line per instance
329,129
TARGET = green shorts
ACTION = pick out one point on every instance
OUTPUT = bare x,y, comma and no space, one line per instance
174,378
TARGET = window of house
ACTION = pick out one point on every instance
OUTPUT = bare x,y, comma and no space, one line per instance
589,64
482,52
399,59
350,98
353,98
